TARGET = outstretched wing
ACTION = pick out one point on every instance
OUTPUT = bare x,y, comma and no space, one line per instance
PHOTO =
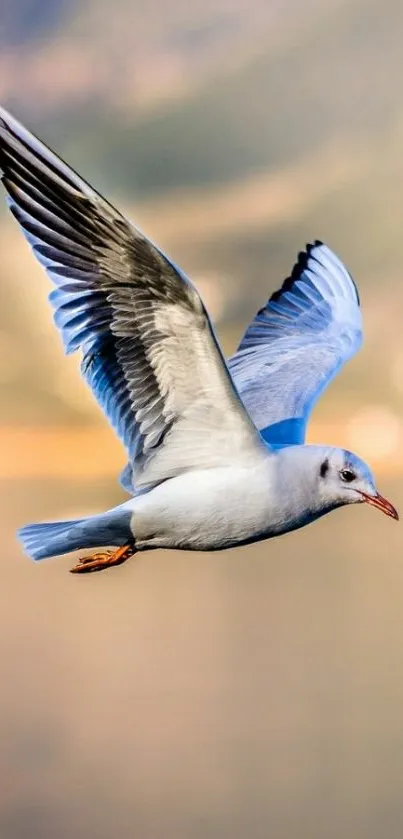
149,352
296,345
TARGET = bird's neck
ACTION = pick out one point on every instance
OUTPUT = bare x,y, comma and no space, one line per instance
298,501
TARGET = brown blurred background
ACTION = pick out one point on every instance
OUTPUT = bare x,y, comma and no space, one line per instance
257,693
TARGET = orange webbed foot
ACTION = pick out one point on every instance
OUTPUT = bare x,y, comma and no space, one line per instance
102,560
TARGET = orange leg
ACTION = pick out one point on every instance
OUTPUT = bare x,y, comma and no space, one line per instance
99,561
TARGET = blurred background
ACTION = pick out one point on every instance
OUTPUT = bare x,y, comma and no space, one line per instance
258,692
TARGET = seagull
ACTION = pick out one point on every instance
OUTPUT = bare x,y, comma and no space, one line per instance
216,451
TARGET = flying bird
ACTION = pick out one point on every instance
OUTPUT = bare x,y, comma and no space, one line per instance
216,451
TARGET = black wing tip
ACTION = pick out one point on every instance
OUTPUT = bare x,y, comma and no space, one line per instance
4,117
303,257
297,271
10,132
299,268
9,126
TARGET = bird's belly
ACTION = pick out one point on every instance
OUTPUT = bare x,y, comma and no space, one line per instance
209,510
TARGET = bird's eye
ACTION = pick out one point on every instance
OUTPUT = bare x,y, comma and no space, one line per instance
347,475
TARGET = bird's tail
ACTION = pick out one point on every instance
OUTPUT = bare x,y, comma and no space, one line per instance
41,541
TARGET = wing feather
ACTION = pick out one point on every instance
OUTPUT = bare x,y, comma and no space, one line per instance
149,352
296,344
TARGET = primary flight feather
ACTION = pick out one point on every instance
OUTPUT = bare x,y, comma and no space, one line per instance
216,453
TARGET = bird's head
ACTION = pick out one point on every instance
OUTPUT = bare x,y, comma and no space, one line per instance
343,478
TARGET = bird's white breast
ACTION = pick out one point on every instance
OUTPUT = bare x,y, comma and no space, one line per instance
208,509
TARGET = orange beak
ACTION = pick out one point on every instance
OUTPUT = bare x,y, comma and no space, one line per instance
382,504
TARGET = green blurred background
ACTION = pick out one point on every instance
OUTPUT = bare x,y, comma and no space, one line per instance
256,693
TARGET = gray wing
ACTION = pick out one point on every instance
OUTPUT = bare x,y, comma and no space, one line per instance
296,344
149,351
